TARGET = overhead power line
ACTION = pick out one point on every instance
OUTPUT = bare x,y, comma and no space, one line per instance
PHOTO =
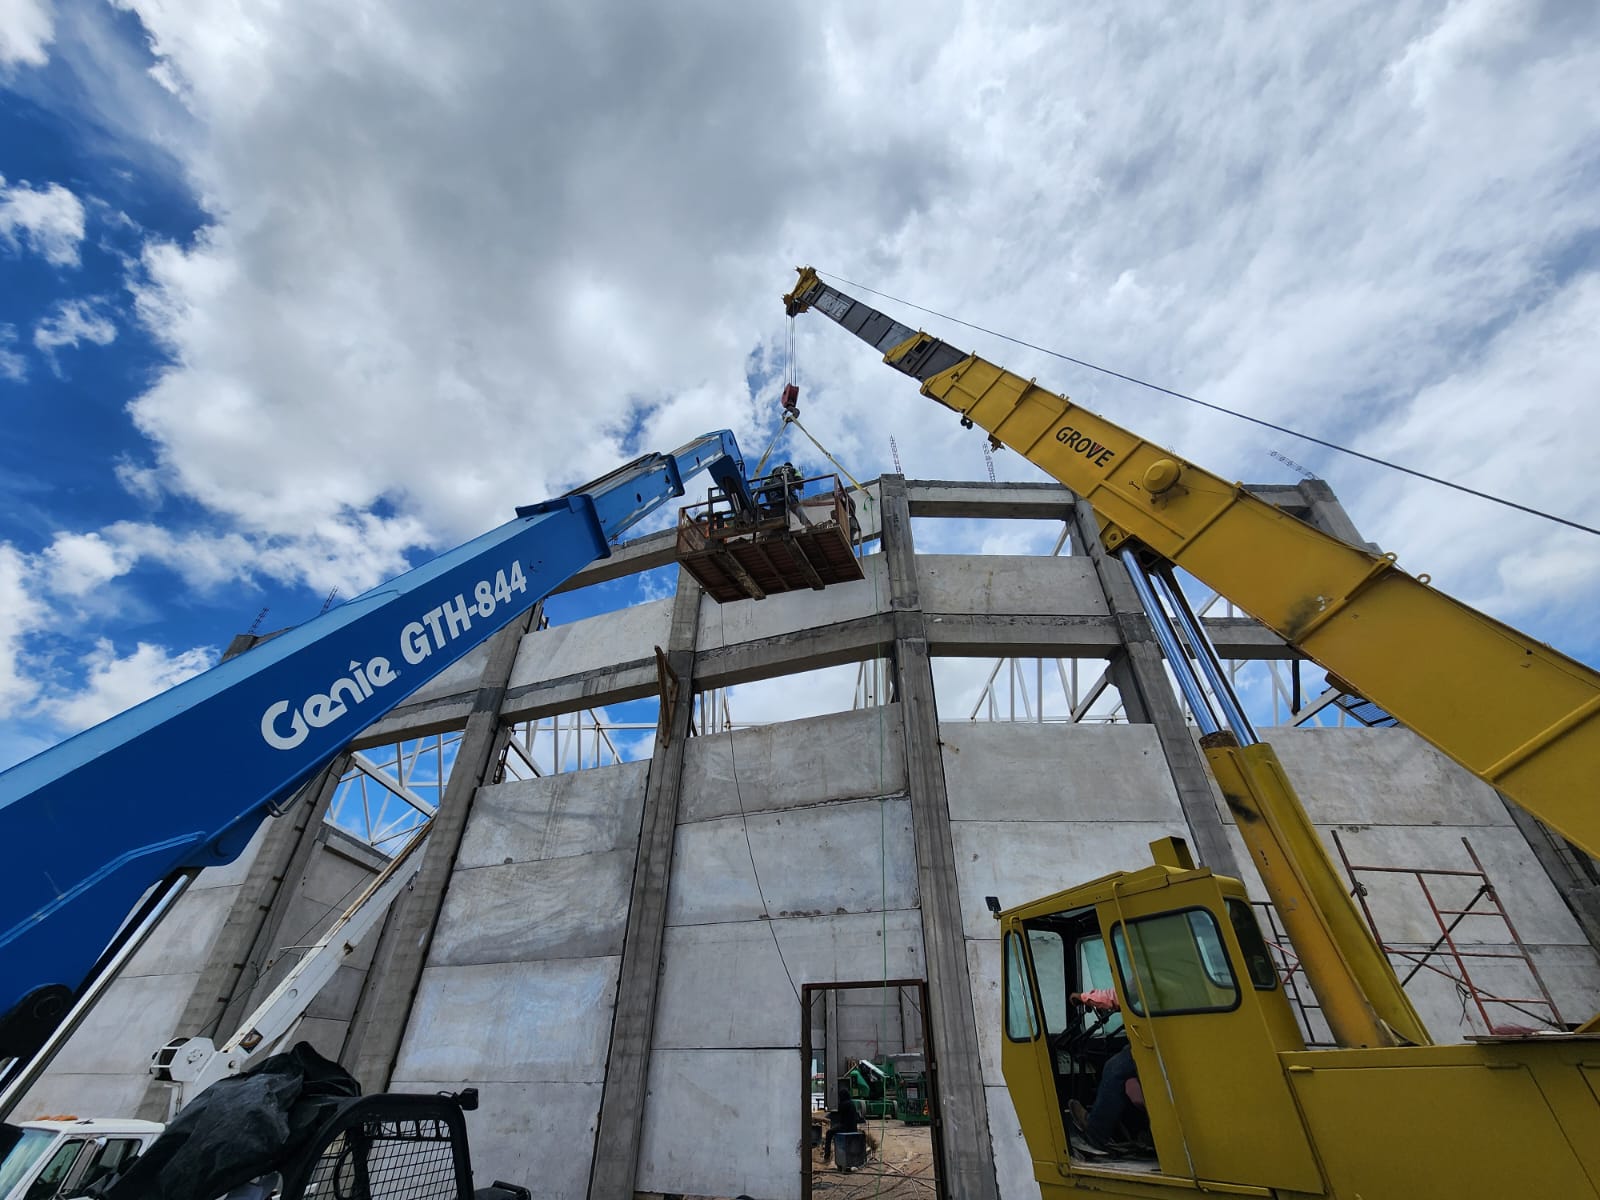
1166,391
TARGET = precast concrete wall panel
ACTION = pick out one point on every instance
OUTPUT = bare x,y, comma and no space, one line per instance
729,984
592,644
1010,584
573,907
789,612
852,856
459,677
721,1123
537,1134
577,812
841,756
1038,808
1011,771
515,1022
1381,777
870,1024
521,983
828,828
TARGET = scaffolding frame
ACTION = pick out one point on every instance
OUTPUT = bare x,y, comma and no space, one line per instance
1448,946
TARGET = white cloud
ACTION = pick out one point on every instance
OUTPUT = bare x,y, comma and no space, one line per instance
76,564
23,616
474,258
47,221
72,322
503,269
12,365
26,29
116,683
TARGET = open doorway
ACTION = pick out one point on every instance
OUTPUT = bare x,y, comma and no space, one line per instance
870,1107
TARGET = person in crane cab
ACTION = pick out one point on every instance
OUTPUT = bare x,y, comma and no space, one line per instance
1096,1126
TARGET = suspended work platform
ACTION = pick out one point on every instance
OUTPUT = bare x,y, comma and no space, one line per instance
802,533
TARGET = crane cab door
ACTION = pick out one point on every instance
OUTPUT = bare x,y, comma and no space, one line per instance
1203,1014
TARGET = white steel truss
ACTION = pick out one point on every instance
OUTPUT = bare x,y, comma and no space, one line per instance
389,792
574,741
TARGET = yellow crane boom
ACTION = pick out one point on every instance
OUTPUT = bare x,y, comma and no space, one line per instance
1513,711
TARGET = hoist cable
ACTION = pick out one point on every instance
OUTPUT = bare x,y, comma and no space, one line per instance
853,481
1284,429
761,467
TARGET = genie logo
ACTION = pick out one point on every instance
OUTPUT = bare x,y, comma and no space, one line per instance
441,628
324,708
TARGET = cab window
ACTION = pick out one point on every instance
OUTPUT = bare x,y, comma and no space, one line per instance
1022,1023
110,1156
30,1146
55,1171
1050,969
1257,958
1174,963
1094,973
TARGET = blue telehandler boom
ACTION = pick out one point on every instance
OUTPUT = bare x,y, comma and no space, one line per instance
99,834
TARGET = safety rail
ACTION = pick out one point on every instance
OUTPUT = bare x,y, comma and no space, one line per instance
799,533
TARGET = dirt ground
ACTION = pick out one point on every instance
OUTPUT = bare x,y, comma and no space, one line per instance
899,1167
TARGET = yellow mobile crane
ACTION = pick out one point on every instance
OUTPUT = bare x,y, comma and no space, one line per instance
1236,1102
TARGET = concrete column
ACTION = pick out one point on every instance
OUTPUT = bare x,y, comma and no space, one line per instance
953,1059
291,876
385,1006
832,1065
1147,694
222,990
1575,875
616,1158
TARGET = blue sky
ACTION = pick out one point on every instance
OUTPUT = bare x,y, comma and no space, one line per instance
293,296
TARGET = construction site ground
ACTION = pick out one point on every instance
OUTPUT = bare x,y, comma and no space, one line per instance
899,1166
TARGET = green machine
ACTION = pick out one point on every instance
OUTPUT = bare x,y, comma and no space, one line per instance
891,1087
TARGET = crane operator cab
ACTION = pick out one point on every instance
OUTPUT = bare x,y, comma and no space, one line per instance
1200,1008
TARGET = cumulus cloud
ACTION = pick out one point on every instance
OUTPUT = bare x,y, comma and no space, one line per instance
72,322
468,259
116,682
26,30
504,268
47,221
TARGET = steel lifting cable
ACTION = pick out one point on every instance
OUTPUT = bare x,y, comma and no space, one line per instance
1243,416
791,387
854,482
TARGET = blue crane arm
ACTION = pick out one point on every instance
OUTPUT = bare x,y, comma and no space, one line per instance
184,780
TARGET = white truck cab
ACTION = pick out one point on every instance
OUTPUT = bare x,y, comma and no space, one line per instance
57,1157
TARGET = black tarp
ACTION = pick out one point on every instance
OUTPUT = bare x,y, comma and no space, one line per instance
238,1128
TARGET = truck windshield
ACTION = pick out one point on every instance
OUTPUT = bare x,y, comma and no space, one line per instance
33,1145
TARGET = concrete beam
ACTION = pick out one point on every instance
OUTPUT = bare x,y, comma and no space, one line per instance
955,1062
641,554
788,653
381,1018
440,715
622,1105
969,498
591,689
965,635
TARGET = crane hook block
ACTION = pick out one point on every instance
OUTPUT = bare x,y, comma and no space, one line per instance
791,397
